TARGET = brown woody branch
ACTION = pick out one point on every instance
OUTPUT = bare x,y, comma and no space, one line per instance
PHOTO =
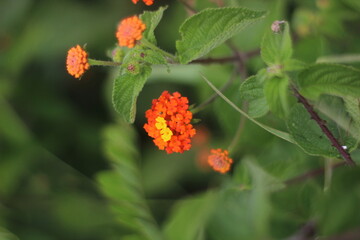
221,60
307,232
188,6
215,60
350,235
322,124
311,174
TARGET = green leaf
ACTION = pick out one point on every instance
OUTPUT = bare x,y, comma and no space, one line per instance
287,218
250,208
154,57
261,177
11,126
122,184
189,218
309,136
241,176
276,92
276,48
353,4
132,237
335,108
233,208
260,206
211,27
72,213
140,55
331,79
294,65
126,91
151,20
343,58
252,91
6,235
338,211
353,108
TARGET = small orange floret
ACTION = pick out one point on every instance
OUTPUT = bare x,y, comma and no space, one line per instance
77,61
147,2
129,31
169,123
219,160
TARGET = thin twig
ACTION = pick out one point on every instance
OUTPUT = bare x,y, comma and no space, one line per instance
188,7
252,53
215,60
243,72
307,232
322,124
241,67
219,3
311,174
215,95
328,172
278,133
239,131
221,60
350,235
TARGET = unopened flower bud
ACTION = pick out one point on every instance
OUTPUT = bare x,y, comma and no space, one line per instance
133,68
117,54
276,26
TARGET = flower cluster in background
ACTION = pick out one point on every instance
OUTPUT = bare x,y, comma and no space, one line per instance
77,61
219,160
147,2
129,31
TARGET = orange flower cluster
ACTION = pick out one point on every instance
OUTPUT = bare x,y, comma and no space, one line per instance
147,2
219,160
129,30
169,123
77,61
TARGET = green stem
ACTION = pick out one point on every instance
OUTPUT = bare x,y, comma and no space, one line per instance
157,49
278,133
215,95
11,126
328,174
311,174
346,58
94,62
237,135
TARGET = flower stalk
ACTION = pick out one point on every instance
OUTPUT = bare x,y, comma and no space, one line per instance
94,62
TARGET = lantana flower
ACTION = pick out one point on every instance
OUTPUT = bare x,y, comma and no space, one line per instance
147,2
129,31
77,61
219,160
168,122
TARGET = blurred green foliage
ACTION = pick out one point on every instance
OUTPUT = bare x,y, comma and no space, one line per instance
63,149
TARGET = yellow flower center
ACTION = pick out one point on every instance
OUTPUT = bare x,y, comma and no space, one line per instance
160,123
165,132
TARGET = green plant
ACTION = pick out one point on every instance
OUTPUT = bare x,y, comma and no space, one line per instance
286,88
253,129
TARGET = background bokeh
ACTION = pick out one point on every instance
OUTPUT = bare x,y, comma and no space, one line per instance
52,125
